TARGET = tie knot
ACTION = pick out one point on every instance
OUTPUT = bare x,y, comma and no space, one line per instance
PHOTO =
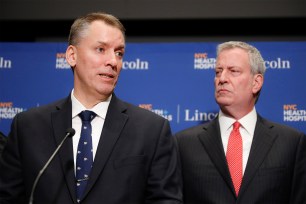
87,115
236,125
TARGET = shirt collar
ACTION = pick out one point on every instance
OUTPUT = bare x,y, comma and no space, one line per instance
100,109
248,122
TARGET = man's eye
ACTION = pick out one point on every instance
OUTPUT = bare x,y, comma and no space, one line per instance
120,54
218,72
100,49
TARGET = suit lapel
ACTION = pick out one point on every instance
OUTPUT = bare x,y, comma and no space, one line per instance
113,125
211,140
61,120
261,145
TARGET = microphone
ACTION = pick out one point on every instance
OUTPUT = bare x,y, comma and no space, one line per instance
69,132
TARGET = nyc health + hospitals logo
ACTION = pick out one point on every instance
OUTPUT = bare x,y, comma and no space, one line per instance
159,111
61,62
202,61
292,113
8,111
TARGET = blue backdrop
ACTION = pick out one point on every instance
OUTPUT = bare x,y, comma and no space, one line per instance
174,80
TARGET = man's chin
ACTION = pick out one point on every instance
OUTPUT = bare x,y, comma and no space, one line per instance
223,101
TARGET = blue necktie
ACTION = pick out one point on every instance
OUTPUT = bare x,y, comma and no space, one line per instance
84,158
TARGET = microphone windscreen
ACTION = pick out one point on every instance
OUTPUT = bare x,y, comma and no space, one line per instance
70,131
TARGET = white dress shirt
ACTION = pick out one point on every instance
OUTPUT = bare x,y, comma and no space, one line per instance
247,128
97,123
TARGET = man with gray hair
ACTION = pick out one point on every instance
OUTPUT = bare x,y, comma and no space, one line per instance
240,157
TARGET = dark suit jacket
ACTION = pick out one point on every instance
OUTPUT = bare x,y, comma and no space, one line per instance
135,163
275,171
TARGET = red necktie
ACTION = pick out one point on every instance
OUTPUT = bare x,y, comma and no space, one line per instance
234,156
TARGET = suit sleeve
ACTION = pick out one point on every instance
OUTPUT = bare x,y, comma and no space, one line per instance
164,183
11,177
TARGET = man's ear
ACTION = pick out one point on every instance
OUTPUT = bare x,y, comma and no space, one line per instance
257,83
71,55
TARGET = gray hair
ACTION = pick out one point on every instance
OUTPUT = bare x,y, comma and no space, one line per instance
256,61
81,24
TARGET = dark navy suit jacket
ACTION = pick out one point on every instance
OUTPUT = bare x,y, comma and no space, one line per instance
135,163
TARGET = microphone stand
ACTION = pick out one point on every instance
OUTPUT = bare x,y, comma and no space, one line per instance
70,132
